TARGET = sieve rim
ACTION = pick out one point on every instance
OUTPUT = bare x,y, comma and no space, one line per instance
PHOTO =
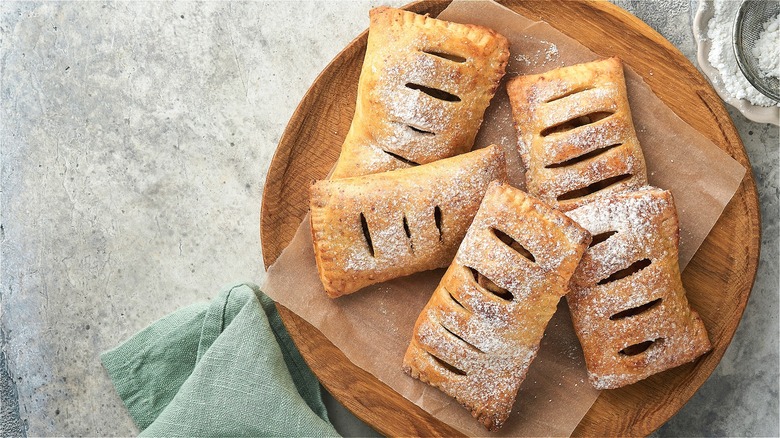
739,54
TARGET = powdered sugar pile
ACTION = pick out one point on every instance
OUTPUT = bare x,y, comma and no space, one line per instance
721,56
767,49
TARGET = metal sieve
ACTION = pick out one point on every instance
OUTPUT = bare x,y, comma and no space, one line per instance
748,26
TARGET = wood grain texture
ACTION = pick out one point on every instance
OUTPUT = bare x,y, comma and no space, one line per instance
718,279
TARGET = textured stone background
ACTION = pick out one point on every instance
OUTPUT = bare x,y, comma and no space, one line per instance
135,138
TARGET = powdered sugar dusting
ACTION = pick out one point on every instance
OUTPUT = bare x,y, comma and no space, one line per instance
535,53
455,186
399,109
569,112
646,225
492,339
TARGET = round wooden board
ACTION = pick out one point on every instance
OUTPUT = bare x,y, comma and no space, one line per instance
718,279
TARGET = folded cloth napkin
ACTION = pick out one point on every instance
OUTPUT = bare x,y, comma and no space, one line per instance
225,368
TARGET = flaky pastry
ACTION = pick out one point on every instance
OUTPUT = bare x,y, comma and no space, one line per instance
374,228
423,90
478,334
575,133
627,300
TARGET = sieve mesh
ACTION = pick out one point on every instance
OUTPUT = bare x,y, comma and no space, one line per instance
748,26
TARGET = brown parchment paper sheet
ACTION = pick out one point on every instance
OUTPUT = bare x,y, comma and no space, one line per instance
373,327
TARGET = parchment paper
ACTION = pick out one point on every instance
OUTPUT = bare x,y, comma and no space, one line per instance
373,327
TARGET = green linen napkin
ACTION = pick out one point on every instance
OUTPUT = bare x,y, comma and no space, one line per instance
225,368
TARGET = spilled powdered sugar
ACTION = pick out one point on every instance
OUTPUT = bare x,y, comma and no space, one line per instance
536,52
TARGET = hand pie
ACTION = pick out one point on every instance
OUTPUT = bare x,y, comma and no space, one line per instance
423,89
627,301
575,133
373,228
478,334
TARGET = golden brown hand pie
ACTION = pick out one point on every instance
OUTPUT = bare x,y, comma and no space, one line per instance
627,299
373,228
423,89
575,133
480,331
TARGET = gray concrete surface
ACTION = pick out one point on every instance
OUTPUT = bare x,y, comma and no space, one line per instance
135,138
